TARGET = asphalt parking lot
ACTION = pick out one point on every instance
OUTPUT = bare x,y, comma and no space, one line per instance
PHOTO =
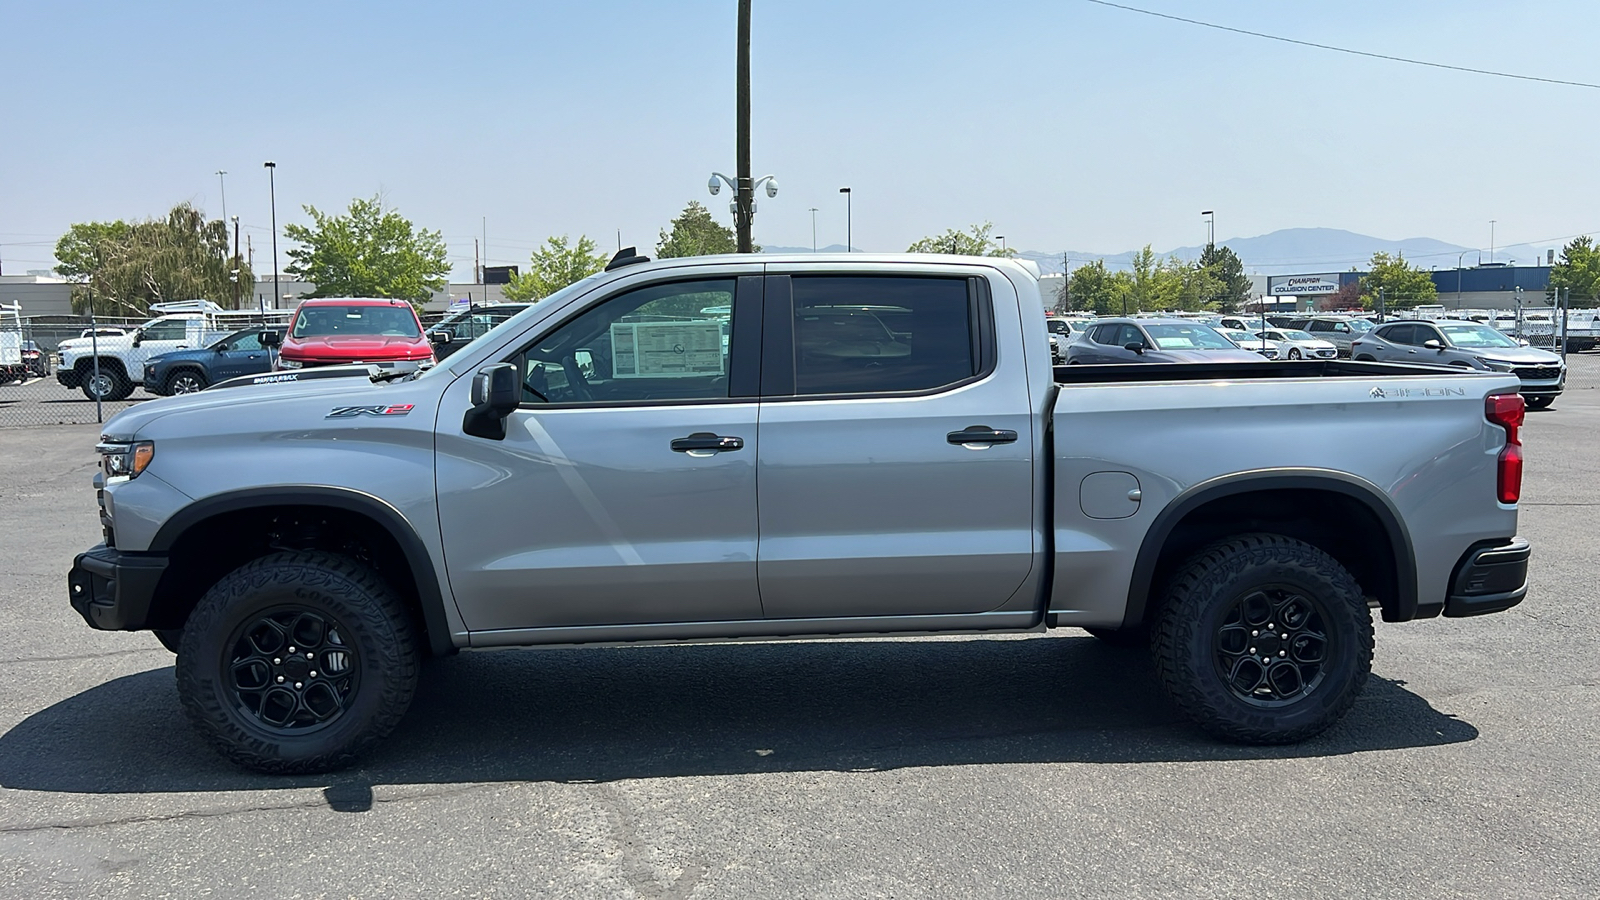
1036,765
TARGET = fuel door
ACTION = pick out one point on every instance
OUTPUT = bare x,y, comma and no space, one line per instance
1109,495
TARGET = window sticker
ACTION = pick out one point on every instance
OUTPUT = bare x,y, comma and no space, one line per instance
666,349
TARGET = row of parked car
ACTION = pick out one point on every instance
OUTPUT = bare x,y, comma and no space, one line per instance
183,351
1454,343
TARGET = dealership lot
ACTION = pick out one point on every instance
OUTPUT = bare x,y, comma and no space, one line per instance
1035,765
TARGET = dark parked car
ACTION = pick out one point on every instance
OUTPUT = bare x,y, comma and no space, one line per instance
462,328
187,371
36,360
1468,345
1154,341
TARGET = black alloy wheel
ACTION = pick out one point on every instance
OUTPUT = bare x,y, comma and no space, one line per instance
1272,646
291,670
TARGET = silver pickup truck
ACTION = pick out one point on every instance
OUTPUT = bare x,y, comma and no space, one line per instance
795,446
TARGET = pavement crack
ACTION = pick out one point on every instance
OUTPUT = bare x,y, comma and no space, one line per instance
636,869
108,653
216,813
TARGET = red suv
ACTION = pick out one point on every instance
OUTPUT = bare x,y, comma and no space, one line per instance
329,332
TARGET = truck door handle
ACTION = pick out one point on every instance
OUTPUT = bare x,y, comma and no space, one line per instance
705,440
981,434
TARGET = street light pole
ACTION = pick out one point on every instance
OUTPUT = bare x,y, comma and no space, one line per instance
1211,227
1002,239
848,243
224,183
1458,276
1491,240
744,195
234,274
813,229
272,187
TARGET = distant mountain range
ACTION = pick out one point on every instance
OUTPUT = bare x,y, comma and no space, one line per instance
1290,251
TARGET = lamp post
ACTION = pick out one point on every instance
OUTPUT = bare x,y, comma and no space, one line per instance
813,229
1458,276
1491,240
224,183
233,273
1002,239
740,218
272,188
848,244
1211,227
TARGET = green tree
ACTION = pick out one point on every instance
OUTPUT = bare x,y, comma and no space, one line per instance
1578,271
1402,284
695,233
120,268
370,251
1091,287
1232,285
975,241
554,266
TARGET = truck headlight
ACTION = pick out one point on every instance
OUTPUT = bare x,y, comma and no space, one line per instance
124,460
289,363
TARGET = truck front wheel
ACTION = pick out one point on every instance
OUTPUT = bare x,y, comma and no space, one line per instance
297,663
108,385
1263,639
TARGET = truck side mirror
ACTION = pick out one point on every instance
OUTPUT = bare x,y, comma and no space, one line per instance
271,338
138,338
495,395
440,336
1134,347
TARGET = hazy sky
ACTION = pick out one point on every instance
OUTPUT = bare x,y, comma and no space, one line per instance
1067,124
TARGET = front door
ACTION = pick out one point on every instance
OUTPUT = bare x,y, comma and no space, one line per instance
871,502
241,354
624,491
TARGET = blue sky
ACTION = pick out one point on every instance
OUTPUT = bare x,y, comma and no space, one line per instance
1068,125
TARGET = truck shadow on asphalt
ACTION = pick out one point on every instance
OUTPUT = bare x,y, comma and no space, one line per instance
597,715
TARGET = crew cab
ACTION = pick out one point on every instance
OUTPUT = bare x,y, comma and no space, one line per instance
879,447
339,331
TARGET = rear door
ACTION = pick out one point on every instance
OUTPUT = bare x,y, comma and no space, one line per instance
895,462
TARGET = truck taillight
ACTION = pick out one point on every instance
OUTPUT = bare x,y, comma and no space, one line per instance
1507,411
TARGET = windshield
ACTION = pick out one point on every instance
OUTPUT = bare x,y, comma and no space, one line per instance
323,321
1360,326
1293,334
1476,336
1187,337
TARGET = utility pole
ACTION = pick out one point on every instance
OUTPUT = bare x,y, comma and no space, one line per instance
236,272
745,196
272,188
224,183
477,265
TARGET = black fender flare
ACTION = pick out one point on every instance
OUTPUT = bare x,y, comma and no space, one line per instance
1196,496
374,508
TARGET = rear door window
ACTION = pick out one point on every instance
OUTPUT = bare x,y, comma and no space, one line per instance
872,334
1399,334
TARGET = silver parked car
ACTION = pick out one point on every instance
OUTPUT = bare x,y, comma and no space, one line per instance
1340,331
1128,340
1247,341
1297,344
1468,345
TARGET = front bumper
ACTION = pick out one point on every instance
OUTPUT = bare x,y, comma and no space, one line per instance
1491,577
113,590
68,377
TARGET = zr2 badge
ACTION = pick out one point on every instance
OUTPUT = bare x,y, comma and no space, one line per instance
351,412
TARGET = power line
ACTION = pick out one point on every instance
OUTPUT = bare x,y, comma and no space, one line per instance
1400,59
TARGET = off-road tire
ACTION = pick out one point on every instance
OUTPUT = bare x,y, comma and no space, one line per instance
1220,581
373,628
1137,638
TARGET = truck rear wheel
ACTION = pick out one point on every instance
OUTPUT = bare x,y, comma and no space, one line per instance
297,663
1263,639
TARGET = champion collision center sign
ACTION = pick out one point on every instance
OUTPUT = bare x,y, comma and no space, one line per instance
1302,285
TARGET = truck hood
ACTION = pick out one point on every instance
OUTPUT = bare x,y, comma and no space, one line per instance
330,387
353,347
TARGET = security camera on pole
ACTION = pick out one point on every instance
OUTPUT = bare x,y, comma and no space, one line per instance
742,218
